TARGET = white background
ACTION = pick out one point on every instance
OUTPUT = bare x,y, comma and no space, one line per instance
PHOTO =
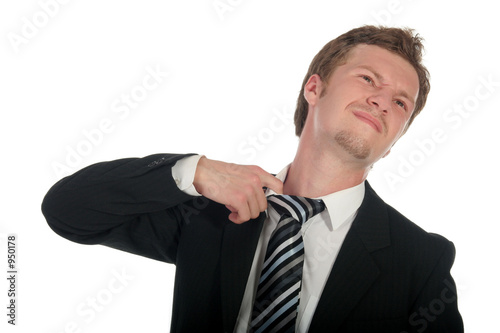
229,73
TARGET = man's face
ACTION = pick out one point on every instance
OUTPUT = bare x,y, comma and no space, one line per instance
365,106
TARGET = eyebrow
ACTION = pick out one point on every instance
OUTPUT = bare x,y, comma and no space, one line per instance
379,77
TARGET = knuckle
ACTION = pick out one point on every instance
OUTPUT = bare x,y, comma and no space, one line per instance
254,179
247,188
239,198
243,216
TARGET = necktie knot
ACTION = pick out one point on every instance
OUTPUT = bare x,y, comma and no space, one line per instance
299,208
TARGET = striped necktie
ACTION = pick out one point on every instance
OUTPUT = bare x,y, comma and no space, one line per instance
277,299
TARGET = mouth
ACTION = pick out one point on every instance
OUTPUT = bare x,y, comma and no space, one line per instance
369,119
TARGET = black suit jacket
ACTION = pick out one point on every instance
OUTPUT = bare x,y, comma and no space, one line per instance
389,276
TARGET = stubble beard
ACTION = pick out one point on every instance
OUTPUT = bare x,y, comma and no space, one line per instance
355,146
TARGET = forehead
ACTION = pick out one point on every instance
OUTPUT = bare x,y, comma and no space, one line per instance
391,68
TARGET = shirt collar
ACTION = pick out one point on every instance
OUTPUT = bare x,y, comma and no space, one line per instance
339,205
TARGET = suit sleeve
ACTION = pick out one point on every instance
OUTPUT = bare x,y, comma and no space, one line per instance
436,309
129,204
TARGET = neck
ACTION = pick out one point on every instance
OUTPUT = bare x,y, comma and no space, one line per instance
314,173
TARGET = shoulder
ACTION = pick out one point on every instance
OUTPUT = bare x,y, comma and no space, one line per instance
410,239
405,233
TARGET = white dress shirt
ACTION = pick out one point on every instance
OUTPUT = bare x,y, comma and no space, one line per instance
323,236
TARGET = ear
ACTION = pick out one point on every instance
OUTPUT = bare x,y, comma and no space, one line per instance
312,89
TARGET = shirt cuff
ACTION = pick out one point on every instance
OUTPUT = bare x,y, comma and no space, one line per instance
183,173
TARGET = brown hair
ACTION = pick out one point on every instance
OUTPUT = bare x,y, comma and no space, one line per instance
401,41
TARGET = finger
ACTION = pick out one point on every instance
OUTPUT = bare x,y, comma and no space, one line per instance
272,182
260,198
253,204
258,201
235,218
243,212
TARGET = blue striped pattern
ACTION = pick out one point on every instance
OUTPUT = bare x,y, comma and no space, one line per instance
278,293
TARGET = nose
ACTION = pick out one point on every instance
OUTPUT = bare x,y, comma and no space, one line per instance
381,101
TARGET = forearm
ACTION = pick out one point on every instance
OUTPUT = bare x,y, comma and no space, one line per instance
121,203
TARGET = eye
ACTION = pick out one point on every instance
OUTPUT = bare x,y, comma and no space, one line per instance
401,104
367,79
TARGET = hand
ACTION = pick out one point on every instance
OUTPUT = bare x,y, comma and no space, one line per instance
238,187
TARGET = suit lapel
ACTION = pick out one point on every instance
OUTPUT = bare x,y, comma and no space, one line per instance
238,249
354,270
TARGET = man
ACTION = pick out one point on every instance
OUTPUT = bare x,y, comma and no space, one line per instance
364,267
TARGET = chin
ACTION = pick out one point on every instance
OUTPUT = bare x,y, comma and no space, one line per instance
356,146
